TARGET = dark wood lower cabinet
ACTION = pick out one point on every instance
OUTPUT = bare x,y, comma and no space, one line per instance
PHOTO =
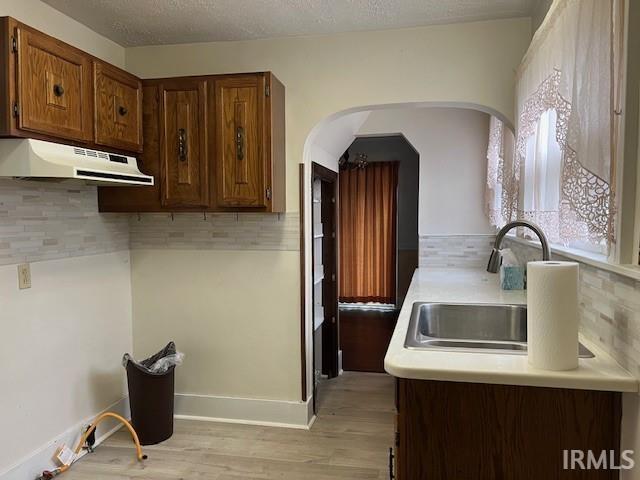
471,431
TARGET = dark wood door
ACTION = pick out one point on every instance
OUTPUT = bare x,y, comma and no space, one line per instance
184,159
240,141
330,330
118,104
331,326
54,87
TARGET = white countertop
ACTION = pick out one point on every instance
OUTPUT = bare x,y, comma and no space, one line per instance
456,285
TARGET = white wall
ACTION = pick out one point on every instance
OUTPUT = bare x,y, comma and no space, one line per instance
48,20
62,342
230,313
327,144
452,144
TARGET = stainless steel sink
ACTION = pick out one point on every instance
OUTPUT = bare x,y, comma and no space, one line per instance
471,327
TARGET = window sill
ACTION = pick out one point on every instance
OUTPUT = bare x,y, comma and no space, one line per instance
593,259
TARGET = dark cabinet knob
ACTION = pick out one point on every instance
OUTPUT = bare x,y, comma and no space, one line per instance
122,111
58,90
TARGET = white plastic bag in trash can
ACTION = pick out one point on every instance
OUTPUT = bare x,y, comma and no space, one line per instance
159,363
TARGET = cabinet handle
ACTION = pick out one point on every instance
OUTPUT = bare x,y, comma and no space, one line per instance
58,90
122,111
240,143
182,144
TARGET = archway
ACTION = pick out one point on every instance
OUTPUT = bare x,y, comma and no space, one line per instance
331,137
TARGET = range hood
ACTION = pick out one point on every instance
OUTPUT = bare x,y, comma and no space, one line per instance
37,159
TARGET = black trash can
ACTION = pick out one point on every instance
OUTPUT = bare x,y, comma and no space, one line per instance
151,396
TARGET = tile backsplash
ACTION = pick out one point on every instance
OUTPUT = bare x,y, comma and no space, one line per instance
462,251
215,231
609,308
47,220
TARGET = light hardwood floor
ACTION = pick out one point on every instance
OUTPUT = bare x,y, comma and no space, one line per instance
349,440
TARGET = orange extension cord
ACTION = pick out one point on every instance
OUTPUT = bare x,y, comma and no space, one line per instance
50,474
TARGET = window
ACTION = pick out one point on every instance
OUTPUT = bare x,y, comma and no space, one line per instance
542,184
560,175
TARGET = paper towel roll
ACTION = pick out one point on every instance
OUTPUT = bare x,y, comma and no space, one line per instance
552,315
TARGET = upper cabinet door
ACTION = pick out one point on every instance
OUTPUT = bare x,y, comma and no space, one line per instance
183,146
240,141
118,104
54,87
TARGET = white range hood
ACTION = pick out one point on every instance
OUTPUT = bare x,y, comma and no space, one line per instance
37,159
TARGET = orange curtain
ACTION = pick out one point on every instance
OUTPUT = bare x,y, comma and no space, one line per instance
368,207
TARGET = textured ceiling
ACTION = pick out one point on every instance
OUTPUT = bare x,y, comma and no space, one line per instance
156,22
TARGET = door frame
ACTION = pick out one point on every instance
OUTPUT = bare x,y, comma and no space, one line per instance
303,289
330,252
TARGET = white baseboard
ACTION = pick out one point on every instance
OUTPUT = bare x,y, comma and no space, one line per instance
250,411
42,459
276,413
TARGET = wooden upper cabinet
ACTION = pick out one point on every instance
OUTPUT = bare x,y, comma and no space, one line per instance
217,143
118,108
53,87
183,145
240,141
147,198
52,91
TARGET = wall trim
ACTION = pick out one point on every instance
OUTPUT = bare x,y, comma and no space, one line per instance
41,459
248,411
303,289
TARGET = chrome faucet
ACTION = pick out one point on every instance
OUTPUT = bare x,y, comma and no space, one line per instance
495,259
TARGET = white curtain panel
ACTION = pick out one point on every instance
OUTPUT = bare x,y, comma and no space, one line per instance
498,205
495,159
563,159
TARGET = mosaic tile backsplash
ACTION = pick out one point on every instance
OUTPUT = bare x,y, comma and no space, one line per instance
457,251
609,309
47,221
215,231
52,220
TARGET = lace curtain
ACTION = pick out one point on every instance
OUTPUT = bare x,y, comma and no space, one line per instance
561,176
500,175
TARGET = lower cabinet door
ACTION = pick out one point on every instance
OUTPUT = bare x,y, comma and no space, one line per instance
183,145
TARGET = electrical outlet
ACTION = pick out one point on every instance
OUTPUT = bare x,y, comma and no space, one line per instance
24,276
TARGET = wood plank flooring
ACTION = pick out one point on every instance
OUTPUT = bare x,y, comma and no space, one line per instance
349,440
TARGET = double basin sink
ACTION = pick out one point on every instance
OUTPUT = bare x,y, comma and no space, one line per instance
472,328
